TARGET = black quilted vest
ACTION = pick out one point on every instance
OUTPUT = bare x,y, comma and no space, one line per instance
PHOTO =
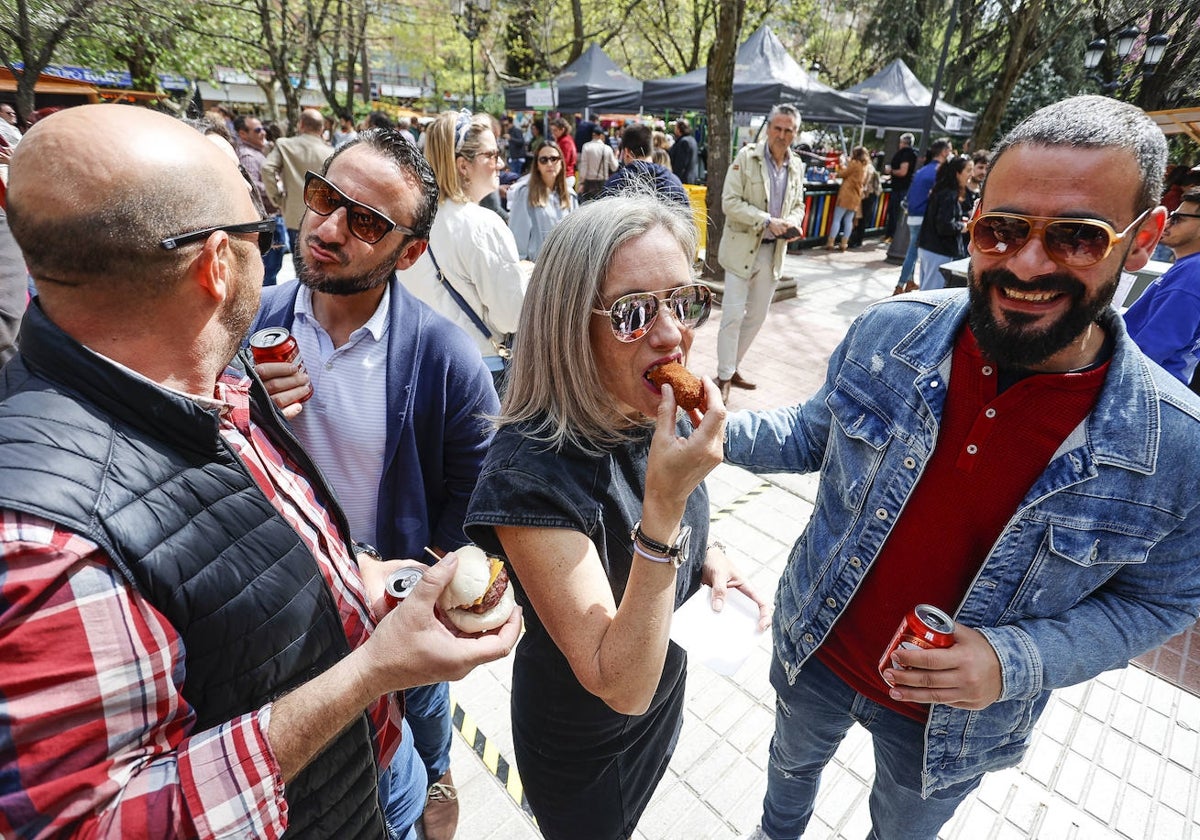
145,474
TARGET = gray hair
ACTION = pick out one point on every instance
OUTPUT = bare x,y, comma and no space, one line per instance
553,382
1098,122
786,110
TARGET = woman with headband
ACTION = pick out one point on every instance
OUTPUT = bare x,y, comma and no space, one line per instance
471,272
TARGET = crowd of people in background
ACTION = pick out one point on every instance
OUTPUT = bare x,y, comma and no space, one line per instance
422,247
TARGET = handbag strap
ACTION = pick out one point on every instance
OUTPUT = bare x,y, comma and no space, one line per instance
458,298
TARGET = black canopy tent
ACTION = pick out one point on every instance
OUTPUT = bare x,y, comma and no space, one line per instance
896,99
590,82
764,76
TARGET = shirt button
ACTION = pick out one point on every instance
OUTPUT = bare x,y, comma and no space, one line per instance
910,463
855,562
987,370
881,514
329,366
933,384
808,637
991,412
830,602
972,449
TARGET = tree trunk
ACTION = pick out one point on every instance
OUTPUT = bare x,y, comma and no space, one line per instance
719,102
577,31
36,45
1023,28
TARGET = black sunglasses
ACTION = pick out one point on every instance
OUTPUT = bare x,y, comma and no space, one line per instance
1176,215
365,223
265,228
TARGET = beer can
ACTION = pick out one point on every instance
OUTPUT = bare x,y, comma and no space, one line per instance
924,626
276,344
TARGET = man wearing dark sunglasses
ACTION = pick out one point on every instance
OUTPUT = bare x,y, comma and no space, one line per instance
182,598
251,150
1165,320
399,395
1005,454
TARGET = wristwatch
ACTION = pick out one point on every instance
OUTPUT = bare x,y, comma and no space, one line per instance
367,549
661,552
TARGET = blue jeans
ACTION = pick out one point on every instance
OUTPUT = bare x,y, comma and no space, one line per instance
910,256
427,711
402,789
931,275
427,727
273,259
811,718
843,224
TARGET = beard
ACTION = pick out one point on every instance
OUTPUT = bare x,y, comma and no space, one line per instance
1019,342
241,306
371,277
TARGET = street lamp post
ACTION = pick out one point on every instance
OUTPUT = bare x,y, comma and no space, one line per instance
469,17
1156,45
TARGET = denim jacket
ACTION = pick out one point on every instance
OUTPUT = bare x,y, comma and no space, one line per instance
1097,565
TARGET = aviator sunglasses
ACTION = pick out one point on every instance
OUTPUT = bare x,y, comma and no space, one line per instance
365,223
632,316
1071,243
265,228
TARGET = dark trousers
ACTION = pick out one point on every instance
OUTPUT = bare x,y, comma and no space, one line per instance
895,211
865,219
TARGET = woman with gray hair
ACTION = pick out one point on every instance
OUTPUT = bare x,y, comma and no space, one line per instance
593,490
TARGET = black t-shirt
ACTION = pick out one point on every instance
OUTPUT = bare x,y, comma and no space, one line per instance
588,771
898,159
516,143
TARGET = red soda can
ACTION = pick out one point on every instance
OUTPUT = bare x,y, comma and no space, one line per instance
399,583
275,344
923,626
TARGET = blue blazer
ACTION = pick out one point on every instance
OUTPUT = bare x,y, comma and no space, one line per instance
439,393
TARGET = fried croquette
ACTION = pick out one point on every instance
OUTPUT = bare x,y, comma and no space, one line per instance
689,391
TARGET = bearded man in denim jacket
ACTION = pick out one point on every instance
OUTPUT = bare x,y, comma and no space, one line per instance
1006,454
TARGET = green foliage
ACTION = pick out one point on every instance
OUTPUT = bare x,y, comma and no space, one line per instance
1006,56
169,36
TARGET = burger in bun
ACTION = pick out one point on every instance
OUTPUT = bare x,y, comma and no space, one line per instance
479,598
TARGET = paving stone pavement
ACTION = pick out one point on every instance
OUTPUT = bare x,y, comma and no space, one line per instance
1116,757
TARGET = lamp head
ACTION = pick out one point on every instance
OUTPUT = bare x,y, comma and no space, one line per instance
1125,41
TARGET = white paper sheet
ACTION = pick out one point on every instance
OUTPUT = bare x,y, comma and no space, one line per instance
722,641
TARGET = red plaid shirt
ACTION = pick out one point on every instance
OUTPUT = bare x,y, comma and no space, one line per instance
95,737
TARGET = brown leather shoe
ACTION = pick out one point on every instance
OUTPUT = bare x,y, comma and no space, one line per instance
739,382
911,286
440,819
723,387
